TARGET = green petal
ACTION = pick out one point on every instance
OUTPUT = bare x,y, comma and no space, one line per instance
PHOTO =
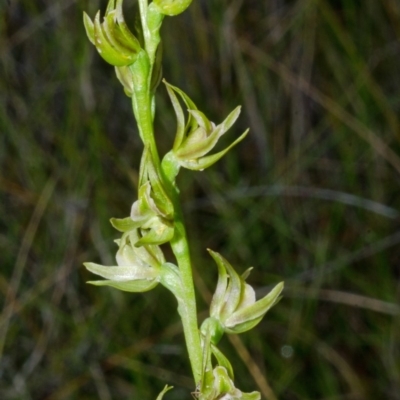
105,48
207,161
123,28
124,273
110,6
240,320
124,224
136,286
150,255
202,120
180,118
222,360
192,123
220,291
89,27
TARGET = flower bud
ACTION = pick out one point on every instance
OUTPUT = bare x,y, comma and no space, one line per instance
112,38
171,7
138,268
196,138
234,303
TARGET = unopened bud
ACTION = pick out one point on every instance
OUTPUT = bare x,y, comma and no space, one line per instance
172,7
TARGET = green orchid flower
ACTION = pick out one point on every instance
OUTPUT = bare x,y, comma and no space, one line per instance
195,139
234,308
138,269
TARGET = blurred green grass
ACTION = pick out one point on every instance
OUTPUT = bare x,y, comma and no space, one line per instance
311,197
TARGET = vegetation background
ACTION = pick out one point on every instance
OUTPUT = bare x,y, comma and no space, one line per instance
310,197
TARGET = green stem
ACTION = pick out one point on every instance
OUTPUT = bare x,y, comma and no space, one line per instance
187,308
142,107
142,102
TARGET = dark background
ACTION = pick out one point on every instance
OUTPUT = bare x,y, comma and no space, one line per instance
311,197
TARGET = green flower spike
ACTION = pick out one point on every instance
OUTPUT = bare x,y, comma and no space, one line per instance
199,136
234,308
171,7
153,211
112,38
138,269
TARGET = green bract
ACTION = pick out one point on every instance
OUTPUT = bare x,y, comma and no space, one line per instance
195,139
112,38
172,7
234,303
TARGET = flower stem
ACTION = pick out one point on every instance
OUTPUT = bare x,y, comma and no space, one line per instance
187,307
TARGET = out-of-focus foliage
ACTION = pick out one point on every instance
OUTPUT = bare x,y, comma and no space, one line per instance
310,197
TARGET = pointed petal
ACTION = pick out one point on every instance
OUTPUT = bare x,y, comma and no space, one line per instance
233,292
104,47
110,6
207,161
255,311
220,291
124,224
246,273
180,118
123,27
229,120
136,286
222,360
248,296
202,120
191,123
149,255
121,274
89,27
